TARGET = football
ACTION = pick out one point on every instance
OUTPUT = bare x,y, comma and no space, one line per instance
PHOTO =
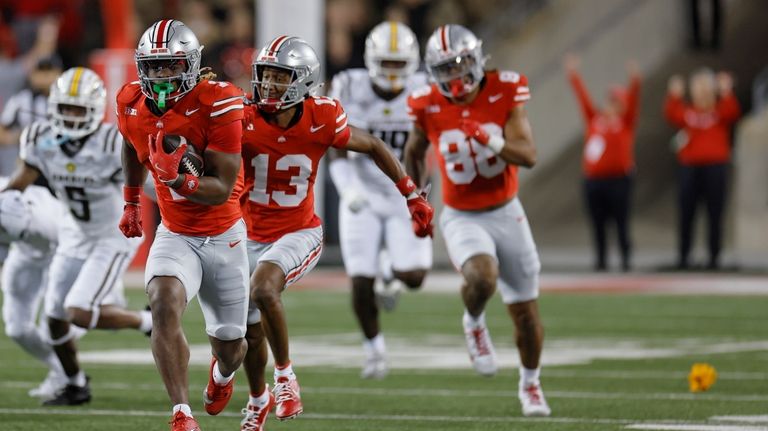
191,162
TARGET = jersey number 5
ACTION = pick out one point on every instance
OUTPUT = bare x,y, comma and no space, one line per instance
77,198
463,162
299,182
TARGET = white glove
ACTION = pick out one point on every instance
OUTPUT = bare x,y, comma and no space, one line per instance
353,199
14,214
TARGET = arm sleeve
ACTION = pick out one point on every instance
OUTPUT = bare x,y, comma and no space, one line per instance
582,96
674,111
341,131
633,102
226,138
728,108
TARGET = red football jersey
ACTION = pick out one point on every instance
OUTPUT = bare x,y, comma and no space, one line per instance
210,117
474,177
281,166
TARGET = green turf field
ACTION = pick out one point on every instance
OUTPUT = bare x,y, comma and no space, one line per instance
623,361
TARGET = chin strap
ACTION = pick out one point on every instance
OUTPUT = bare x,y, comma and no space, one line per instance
163,89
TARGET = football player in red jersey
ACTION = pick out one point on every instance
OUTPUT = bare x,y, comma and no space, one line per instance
287,132
200,246
480,133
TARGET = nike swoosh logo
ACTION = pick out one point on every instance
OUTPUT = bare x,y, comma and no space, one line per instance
313,129
495,98
191,111
232,244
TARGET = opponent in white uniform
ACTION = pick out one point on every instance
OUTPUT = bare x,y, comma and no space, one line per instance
80,158
373,217
29,228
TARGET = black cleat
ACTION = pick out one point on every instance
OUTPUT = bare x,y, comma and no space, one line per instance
72,395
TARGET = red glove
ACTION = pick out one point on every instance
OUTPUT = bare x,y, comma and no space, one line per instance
130,222
166,165
420,209
474,130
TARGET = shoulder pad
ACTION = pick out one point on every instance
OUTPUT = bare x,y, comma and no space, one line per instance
129,93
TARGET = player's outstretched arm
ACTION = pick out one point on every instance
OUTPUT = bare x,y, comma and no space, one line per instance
415,152
363,142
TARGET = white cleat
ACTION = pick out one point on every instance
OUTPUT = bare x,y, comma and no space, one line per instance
375,367
480,349
387,293
532,401
54,382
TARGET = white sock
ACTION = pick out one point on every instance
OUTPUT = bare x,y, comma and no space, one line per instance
260,401
184,408
529,377
474,322
375,345
78,379
286,371
218,377
146,321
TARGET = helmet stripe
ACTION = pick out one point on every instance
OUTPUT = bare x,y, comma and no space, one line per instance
444,37
277,43
162,29
75,85
392,36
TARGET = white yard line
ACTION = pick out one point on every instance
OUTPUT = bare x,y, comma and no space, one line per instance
756,419
693,427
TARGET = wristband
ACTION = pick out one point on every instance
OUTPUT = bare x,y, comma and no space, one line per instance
188,185
496,143
406,186
131,194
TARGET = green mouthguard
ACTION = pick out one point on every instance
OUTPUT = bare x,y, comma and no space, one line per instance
162,89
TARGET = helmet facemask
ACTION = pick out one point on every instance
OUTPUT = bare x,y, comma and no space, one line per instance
77,110
275,86
457,76
167,78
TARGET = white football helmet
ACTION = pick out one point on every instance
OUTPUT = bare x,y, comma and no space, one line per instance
165,42
79,87
391,55
295,56
454,59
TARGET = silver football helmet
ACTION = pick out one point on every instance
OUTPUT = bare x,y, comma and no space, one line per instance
454,59
81,88
294,56
168,43
391,55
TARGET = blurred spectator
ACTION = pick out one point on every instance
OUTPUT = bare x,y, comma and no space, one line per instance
705,33
231,58
348,23
28,15
608,158
28,105
703,152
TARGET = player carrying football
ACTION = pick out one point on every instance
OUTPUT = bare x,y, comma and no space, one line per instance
372,214
80,158
478,128
286,134
200,247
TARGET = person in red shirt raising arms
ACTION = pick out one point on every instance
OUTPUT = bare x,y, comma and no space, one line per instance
703,152
200,246
608,159
479,131
287,132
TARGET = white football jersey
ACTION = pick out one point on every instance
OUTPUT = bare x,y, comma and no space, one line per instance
87,179
385,119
